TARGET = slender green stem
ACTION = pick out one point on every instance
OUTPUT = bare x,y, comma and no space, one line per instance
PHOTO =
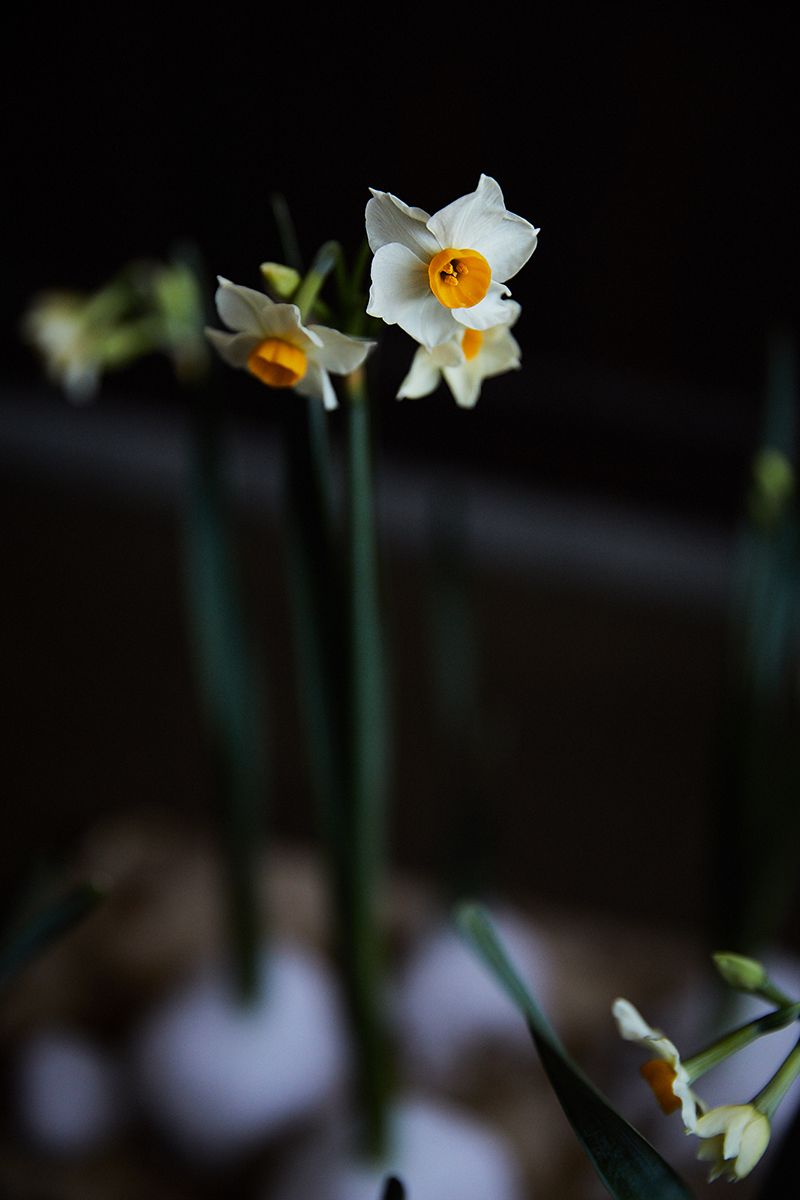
326,258
732,1042
366,770
316,605
231,695
769,1097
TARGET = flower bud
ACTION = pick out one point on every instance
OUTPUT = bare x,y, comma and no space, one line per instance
744,974
280,281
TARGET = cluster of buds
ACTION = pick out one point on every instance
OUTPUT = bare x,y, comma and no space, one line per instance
149,307
734,1136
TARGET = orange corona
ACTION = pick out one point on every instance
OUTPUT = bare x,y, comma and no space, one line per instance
459,278
661,1076
277,363
471,343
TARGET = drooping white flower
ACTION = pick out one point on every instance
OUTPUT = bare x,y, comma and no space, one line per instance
464,362
272,343
436,276
56,326
664,1073
737,1136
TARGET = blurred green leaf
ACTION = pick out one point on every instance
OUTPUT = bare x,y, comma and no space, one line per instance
46,927
627,1164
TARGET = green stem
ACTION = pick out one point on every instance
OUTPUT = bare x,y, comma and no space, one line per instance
231,698
366,770
732,1042
315,594
769,1097
326,258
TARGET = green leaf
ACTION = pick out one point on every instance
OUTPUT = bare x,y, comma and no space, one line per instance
45,928
627,1164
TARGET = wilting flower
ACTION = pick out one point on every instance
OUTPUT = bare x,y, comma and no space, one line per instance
272,343
665,1073
737,1135
464,362
436,276
57,325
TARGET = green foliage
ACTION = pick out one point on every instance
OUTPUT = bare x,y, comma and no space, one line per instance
628,1165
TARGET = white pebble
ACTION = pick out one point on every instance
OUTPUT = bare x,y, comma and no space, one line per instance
446,1002
437,1151
70,1093
218,1077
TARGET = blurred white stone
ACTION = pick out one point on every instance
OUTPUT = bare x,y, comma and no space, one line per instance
437,1151
218,1077
446,1003
70,1093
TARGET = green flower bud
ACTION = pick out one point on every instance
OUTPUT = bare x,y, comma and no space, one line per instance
744,974
280,281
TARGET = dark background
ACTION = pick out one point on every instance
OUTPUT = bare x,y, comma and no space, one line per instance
656,152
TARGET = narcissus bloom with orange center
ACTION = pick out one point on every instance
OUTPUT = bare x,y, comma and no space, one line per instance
464,362
271,342
436,276
664,1072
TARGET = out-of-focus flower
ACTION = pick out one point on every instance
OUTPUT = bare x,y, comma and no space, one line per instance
59,327
272,343
464,362
665,1073
736,1137
179,305
436,276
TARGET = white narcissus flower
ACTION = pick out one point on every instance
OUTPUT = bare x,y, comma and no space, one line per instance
57,327
465,361
738,1135
272,343
665,1073
436,276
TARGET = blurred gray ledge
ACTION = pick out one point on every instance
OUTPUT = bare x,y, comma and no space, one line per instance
139,456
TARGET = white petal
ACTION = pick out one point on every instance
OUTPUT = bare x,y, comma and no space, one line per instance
390,220
630,1023
498,354
465,384
423,377
480,221
241,308
283,321
491,311
754,1142
338,352
316,384
398,277
507,245
449,354
717,1120
401,295
234,348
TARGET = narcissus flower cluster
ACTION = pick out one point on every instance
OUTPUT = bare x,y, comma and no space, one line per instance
733,1136
443,279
